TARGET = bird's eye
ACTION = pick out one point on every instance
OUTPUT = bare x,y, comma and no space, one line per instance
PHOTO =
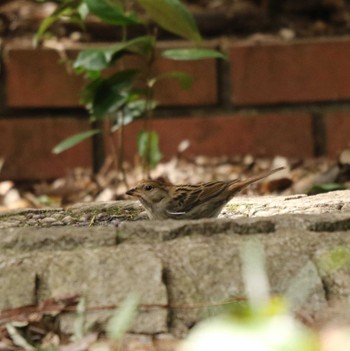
148,187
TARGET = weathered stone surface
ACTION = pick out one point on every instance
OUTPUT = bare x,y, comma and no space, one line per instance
207,270
17,282
265,206
120,209
62,238
105,276
305,290
155,231
334,268
183,263
333,224
36,213
115,212
199,270
85,214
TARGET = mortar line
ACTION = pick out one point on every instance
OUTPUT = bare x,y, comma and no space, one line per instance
318,134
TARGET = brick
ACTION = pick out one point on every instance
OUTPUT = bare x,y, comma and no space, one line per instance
26,145
204,87
306,71
36,78
337,132
262,135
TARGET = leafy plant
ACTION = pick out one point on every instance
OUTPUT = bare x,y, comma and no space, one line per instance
117,95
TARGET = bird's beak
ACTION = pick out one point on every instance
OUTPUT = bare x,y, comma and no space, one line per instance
132,192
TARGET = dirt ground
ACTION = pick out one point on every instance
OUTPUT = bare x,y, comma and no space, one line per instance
304,18
291,18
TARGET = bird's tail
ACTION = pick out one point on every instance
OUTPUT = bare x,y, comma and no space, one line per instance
241,184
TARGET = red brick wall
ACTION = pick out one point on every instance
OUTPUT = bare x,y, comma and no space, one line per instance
280,98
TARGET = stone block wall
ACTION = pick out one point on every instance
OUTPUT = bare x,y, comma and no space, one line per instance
182,270
289,98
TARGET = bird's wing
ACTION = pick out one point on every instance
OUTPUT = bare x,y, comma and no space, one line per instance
187,197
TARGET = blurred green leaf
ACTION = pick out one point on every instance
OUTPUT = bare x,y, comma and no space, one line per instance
148,147
254,274
79,322
88,92
111,13
325,188
111,93
48,21
184,79
91,59
142,45
83,11
173,16
123,317
74,140
131,111
44,26
192,54
70,10
101,58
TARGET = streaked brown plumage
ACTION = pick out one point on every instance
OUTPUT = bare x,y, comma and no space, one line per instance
163,200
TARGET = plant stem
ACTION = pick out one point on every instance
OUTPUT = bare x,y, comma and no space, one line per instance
121,150
118,151
147,125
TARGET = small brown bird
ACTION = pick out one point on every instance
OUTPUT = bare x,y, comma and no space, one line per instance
163,200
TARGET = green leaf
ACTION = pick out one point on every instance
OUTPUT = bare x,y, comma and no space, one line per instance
91,59
44,25
192,54
148,147
74,140
98,59
70,10
111,13
142,45
132,111
89,91
173,16
48,21
123,317
325,188
111,93
107,102
184,79
83,11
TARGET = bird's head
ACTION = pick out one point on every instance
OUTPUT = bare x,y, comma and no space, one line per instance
151,192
